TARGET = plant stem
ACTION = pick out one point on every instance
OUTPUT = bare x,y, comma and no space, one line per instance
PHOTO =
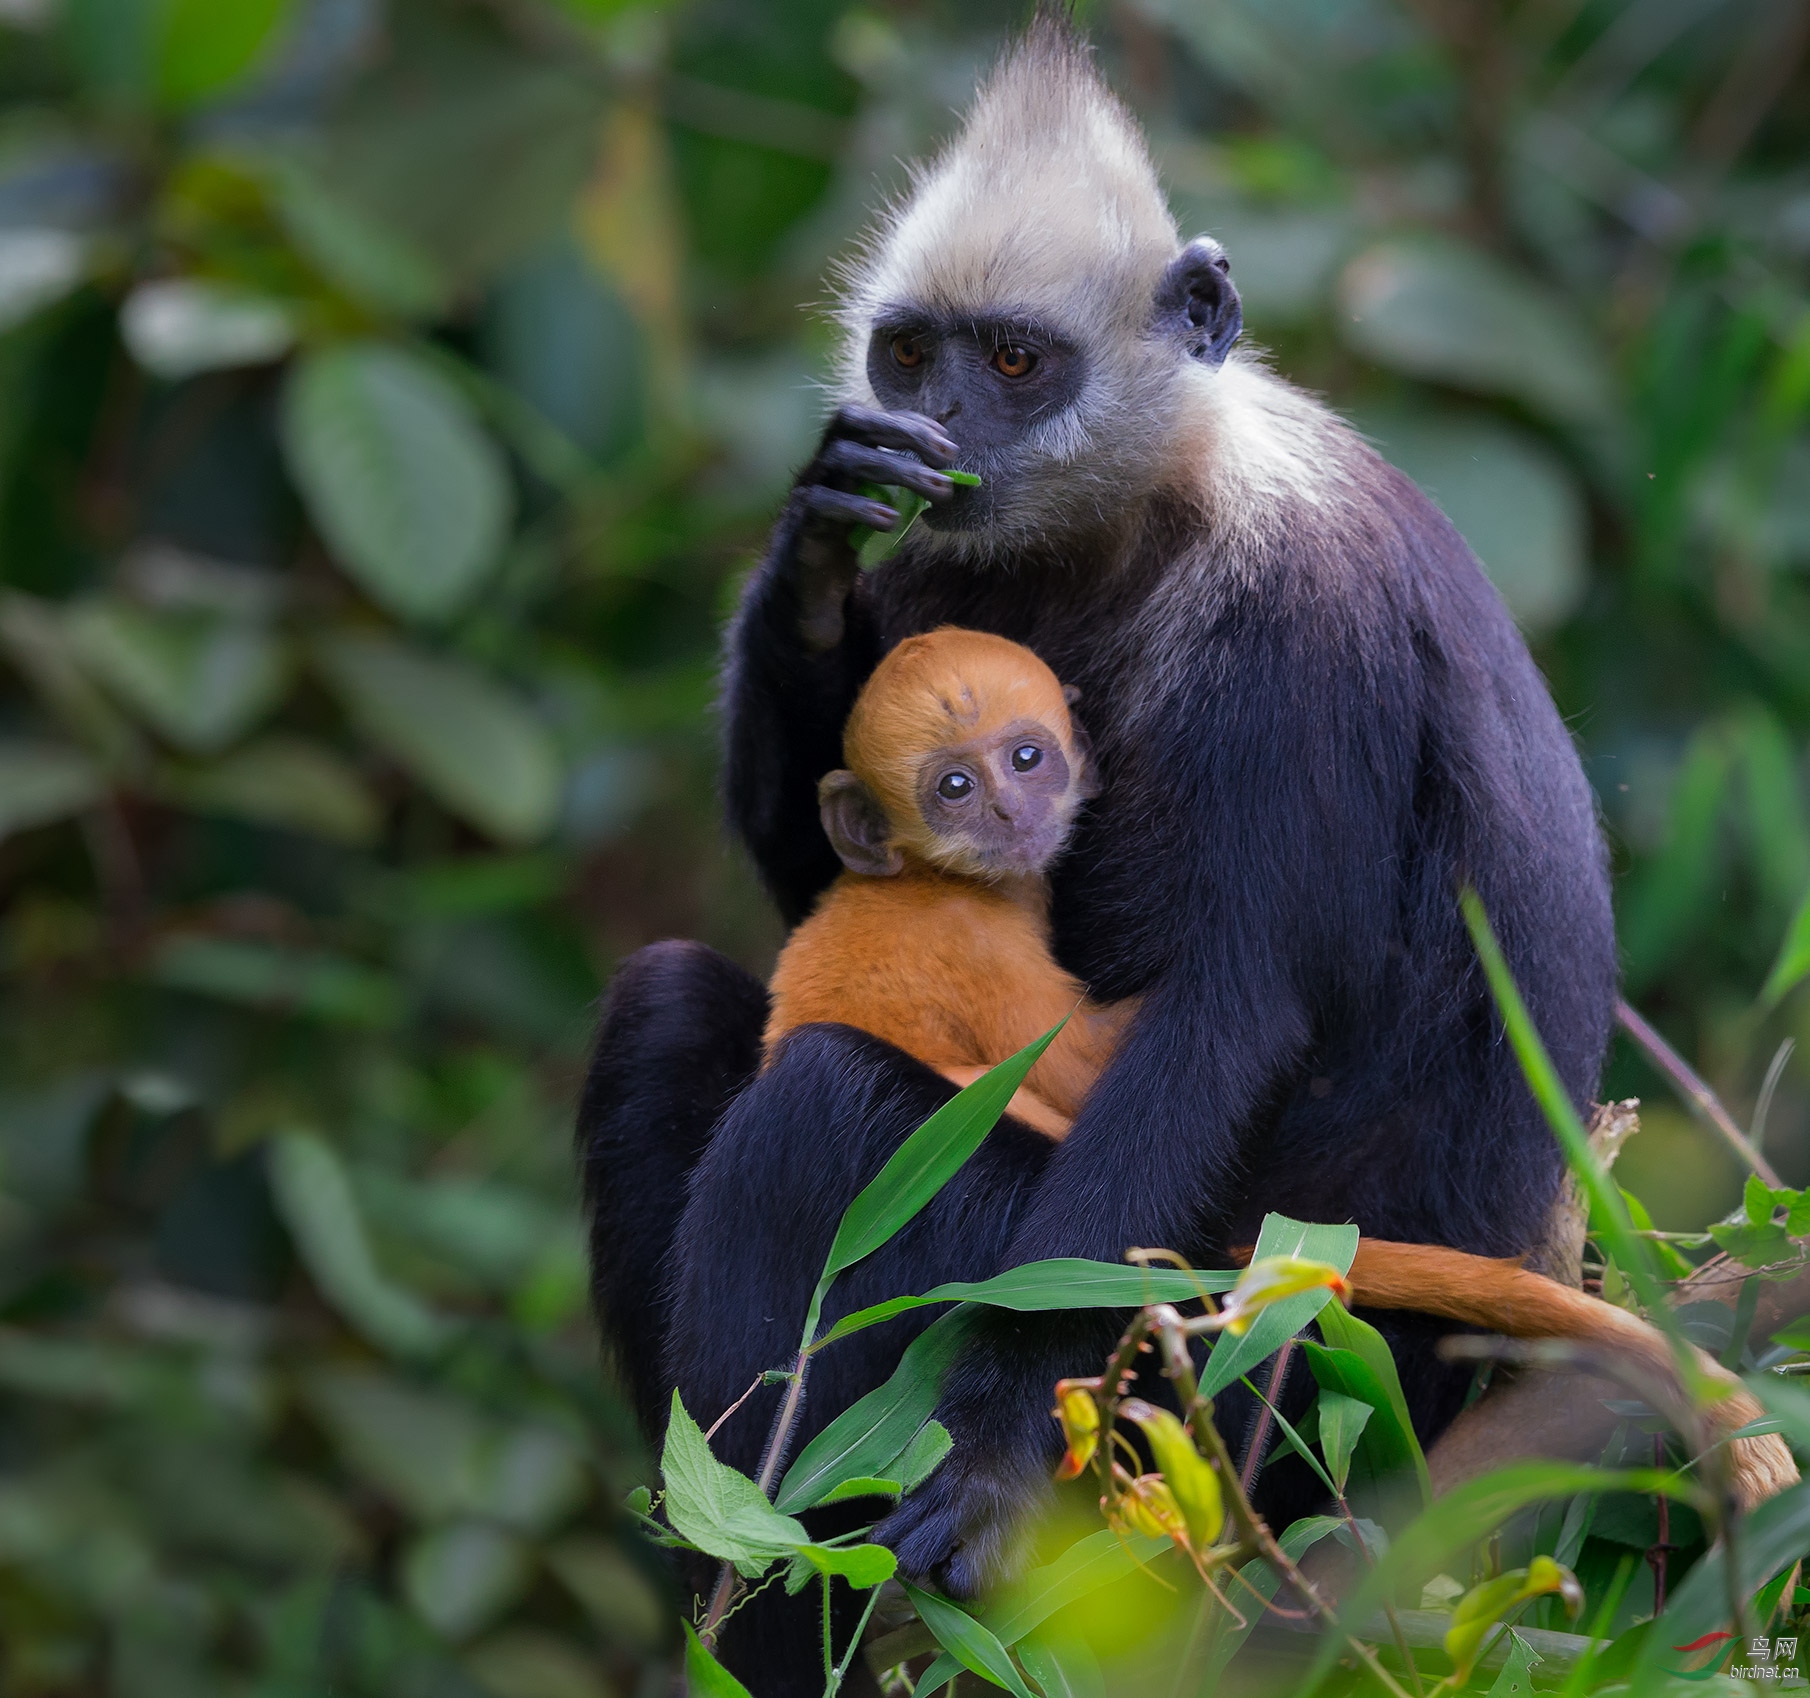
770,1460
840,1672
1691,1085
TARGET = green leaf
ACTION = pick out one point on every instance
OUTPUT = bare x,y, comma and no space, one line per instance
705,1677
1342,1330
200,680
407,490
719,1510
473,745
374,262
1608,1214
1342,1420
1087,1565
1063,1282
862,1566
1513,499
1464,1517
282,981
1789,970
1516,1678
203,47
1063,1665
287,782
924,1455
967,1641
312,1194
1756,1200
1436,308
1772,1537
1235,1356
461,1578
922,1166
872,1433
863,1486
1754,1246
41,783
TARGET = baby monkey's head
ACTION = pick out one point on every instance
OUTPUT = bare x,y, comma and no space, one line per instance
961,753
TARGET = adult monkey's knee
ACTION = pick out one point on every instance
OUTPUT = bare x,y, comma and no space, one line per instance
678,1038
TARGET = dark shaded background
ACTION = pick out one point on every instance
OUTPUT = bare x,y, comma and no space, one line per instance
390,395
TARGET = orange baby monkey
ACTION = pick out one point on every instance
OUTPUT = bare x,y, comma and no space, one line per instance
965,774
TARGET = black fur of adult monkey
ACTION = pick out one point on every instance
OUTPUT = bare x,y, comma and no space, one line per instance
1314,721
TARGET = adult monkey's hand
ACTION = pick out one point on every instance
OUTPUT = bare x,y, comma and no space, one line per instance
860,446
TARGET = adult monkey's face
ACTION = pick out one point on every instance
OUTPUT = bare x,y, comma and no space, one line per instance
1032,296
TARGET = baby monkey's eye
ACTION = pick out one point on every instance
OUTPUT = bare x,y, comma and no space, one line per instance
955,786
907,351
1026,756
1013,362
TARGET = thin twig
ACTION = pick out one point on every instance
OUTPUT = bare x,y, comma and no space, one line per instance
752,1389
1685,1078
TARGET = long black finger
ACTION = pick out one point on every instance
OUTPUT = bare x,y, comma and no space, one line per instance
911,431
843,507
860,464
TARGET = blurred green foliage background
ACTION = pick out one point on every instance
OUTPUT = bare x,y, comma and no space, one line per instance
391,392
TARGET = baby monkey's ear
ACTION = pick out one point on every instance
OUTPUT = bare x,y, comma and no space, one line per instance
1087,786
856,826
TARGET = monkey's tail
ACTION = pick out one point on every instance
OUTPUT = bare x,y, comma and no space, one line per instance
1502,1296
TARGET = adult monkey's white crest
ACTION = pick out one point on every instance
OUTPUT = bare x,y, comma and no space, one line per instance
1031,293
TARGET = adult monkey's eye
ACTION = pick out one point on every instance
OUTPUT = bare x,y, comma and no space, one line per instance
1026,756
1013,361
955,786
907,351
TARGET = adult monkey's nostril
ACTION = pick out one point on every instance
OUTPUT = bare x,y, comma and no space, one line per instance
948,412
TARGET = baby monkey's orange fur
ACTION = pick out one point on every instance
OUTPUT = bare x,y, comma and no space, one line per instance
936,939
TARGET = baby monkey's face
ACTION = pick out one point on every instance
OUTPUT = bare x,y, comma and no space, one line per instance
1001,804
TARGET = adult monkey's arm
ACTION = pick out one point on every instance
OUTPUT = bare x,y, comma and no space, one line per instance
802,643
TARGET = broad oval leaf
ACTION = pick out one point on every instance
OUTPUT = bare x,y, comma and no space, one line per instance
718,1509
1438,309
314,1197
862,1566
41,783
198,679
1513,499
461,1578
472,744
204,47
286,782
406,488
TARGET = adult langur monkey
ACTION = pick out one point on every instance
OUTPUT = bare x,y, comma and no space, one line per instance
1314,721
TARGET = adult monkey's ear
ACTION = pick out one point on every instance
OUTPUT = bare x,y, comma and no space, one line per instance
856,826
1197,304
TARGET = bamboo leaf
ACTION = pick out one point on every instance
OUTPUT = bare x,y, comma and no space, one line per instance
922,1166
1234,1357
1793,964
870,1434
1063,1282
1063,1665
1086,1566
1342,1421
1345,1333
967,1641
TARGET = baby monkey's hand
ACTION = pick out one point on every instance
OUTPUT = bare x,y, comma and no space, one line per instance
860,447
